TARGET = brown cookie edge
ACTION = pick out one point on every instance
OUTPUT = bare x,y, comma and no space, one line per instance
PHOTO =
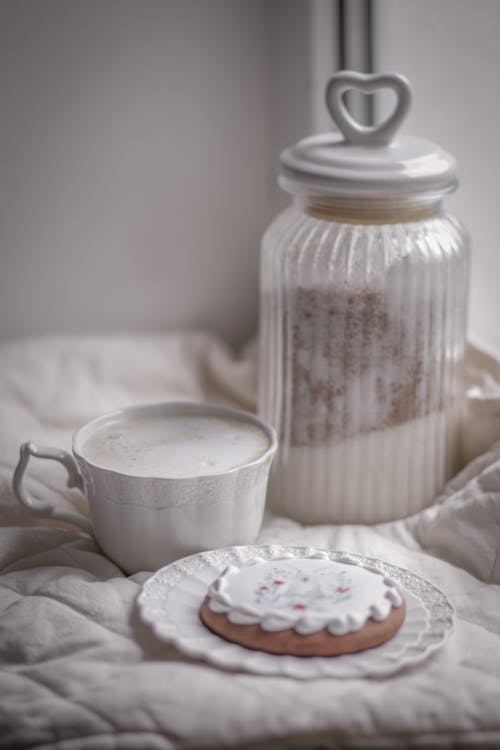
290,642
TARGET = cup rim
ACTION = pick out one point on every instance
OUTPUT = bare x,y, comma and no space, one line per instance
174,408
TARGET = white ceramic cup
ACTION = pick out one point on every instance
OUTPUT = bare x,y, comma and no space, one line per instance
145,522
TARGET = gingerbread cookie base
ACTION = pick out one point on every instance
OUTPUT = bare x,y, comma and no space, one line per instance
292,643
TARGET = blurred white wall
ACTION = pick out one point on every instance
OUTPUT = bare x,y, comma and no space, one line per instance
138,152
450,51
139,142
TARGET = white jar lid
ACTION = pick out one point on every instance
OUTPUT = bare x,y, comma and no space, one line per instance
367,161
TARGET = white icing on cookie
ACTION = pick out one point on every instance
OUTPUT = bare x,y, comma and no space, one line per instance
307,594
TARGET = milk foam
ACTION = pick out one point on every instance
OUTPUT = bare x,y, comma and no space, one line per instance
175,446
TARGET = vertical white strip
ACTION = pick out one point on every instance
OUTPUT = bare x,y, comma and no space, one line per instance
323,59
356,36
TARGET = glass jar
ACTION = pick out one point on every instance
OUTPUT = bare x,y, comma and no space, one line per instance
363,311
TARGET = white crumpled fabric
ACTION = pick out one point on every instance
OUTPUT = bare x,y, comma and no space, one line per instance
79,670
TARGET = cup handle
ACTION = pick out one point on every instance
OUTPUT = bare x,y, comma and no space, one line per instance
45,509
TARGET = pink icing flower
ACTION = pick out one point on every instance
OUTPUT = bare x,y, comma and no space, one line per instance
278,583
299,606
263,588
341,590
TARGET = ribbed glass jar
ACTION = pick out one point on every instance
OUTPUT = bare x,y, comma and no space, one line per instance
362,335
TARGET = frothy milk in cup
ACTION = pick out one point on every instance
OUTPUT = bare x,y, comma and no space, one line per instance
175,446
163,480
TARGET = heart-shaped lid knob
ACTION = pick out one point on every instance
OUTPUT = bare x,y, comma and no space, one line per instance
367,161
353,131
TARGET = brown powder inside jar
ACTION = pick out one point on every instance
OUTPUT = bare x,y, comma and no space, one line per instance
354,367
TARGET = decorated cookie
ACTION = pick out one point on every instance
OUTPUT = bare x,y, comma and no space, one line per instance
306,606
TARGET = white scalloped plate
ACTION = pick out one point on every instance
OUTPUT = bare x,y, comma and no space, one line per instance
170,600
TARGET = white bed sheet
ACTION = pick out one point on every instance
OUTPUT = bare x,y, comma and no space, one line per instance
80,671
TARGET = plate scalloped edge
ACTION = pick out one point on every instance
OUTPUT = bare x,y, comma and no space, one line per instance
171,610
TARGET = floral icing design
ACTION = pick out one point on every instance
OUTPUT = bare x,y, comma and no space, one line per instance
307,594
296,589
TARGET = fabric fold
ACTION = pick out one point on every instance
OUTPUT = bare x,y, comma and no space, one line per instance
80,670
